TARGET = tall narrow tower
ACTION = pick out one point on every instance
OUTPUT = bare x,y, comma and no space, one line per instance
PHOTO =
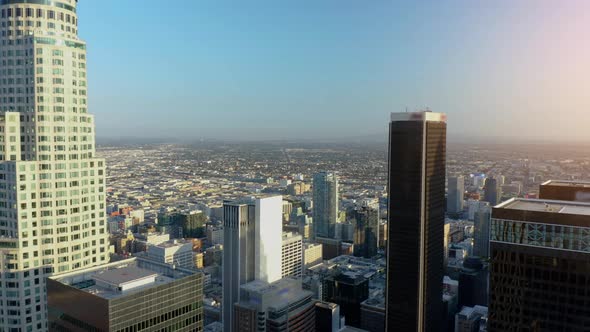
415,255
52,187
325,204
252,248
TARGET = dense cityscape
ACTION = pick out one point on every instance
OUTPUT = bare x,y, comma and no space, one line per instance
412,232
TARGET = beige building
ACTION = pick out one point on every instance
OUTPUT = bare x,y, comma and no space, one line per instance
52,186
292,255
312,255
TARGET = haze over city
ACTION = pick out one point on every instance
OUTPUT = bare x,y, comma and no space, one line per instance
266,70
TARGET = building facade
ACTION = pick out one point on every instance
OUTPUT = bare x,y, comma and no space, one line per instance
455,194
492,191
539,270
366,229
238,255
578,191
129,295
417,152
292,251
325,204
253,248
52,186
280,306
312,254
481,232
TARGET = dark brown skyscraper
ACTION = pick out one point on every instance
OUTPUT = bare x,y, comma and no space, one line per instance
417,149
540,266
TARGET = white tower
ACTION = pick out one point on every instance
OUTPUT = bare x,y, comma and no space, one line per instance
52,187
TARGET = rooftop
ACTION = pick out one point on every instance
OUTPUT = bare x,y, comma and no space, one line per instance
419,116
550,206
121,278
564,183
123,275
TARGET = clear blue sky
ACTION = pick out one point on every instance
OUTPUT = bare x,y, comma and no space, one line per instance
335,68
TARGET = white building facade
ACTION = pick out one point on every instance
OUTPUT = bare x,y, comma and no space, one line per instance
52,187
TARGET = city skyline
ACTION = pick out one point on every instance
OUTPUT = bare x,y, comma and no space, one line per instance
346,65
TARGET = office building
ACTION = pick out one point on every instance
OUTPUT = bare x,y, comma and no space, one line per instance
292,255
325,204
175,252
455,194
312,255
327,317
330,247
578,191
492,192
471,319
129,295
473,283
52,186
373,314
417,152
253,247
366,229
539,267
238,254
481,232
280,306
348,290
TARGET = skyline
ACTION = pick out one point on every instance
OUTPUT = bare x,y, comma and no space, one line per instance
309,70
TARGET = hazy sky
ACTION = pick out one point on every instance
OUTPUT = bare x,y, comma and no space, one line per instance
335,68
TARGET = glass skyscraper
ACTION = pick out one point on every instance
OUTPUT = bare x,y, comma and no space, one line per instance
325,204
52,186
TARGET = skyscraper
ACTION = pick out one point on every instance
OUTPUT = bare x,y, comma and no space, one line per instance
456,192
238,254
481,233
417,151
492,191
325,204
52,187
252,237
539,268
366,229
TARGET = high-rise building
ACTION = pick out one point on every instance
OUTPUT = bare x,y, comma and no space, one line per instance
417,152
373,314
348,291
492,192
129,295
366,229
325,204
238,254
292,255
578,191
455,196
252,247
327,317
481,232
52,186
539,267
280,306
473,283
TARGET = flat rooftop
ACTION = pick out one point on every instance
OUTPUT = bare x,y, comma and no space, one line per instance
121,278
549,206
563,183
123,275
